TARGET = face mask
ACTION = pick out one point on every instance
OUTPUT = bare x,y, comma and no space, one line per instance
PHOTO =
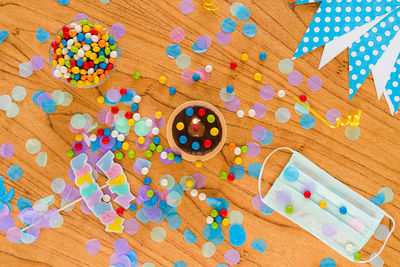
325,207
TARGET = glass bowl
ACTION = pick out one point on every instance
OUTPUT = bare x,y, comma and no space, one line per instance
85,83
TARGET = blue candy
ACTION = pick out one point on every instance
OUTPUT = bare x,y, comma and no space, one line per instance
172,90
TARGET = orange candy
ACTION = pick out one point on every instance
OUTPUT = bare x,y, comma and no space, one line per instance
103,31
57,39
83,77
112,60
54,56
90,78
99,71
72,33
232,146
102,77
102,43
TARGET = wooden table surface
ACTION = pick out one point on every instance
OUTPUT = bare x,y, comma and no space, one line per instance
365,165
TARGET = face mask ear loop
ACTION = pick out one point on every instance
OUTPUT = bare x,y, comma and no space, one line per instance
384,243
263,165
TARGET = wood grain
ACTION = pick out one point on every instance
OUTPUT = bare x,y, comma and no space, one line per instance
364,165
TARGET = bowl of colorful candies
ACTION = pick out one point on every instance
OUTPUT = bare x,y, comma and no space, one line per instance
84,53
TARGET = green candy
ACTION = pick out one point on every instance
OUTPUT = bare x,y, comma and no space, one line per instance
131,154
68,63
84,22
73,82
289,209
149,154
244,149
136,75
357,256
150,193
152,147
107,51
214,213
214,225
74,49
223,175
101,58
119,155
70,153
159,148
113,47
171,156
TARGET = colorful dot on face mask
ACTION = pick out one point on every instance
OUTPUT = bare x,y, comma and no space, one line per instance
343,210
307,194
323,204
289,209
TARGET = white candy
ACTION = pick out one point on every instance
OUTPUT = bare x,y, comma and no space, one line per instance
164,182
57,73
106,198
208,68
67,57
81,53
64,51
163,155
92,137
73,25
75,39
137,99
149,122
194,192
88,35
90,71
155,131
67,75
281,93
76,57
349,247
63,69
121,137
145,170
240,113
86,47
209,220
136,116
113,54
70,42
251,113
237,151
78,28
95,38
202,196
114,133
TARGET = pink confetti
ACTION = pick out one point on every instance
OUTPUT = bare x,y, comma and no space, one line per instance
267,92
187,76
177,35
253,149
314,83
332,114
118,30
186,7
295,78
232,256
223,38
260,110
131,226
233,105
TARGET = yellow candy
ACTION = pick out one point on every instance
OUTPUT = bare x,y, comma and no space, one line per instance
158,115
78,45
75,70
225,222
125,146
58,52
86,28
80,84
107,44
94,45
98,27
96,61
96,80
100,99
105,37
54,63
93,56
162,79
198,164
88,53
83,71
61,61
244,57
96,49
323,204
238,160
180,126
78,137
61,45
84,59
141,140
88,83
214,131
131,122
257,76
189,183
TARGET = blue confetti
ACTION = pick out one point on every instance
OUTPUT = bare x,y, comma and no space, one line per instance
63,2
199,47
14,172
249,29
180,264
216,236
222,265
42,36
49,106
254,169
259,245
237,235
228,25
379,199
23,203
174,221
3,36
189,237
238,171
36,95
327,262
8,197
242,13
307,121
218,203
266,210
141,217
291,174
269,137
173,50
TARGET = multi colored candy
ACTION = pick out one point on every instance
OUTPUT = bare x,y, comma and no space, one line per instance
84,53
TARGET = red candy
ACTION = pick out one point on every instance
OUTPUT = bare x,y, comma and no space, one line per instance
201,112
231,177
78,146
128,115
73,63
114,110
54,45
120,211
110,66
303,98
85,65
91,64
123,91
223,212
233,65
207,143
307,194
105,140
93,31
100,132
